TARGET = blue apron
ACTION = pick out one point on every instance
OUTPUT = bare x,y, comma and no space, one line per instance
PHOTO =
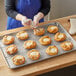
28,8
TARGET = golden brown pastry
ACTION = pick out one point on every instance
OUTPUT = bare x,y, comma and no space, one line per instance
60,36
33,54
18,60
29,44
45,40
12,49
52,50
39,31
52,29
22,35
67,45
8,40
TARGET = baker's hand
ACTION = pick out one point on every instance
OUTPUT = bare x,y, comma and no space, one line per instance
25,21
37,18
36,21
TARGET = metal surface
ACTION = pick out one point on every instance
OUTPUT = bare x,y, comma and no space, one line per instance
23,52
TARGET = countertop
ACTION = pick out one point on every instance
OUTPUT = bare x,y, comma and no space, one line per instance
43,66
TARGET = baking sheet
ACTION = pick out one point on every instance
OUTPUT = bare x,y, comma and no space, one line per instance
41,48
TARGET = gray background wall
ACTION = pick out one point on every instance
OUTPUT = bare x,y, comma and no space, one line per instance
60,8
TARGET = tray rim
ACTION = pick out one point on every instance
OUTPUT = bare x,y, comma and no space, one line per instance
39,60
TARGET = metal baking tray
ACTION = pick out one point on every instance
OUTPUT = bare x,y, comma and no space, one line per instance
41,48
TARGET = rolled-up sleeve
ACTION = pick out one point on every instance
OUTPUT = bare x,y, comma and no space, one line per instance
10,8
45,6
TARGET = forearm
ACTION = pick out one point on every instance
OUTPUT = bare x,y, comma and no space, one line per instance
37,18
45,6
11,10
40,15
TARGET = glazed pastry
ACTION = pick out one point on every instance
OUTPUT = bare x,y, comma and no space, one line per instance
33,54
12,49
29,44
8,40
67,45
45,40
23,35
60,36
39,31
18,60
52,29
52,50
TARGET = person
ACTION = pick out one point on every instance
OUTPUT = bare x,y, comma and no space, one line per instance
20,12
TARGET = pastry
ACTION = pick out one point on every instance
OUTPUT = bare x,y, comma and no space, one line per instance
33,54
18,60
29,44
45,40
52,50
8,40
67,45
22,35
12,49
52,29
60,36
39,31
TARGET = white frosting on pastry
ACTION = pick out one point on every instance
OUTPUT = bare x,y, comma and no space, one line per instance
34,53
60,36
41,29
37,30
9,38
23,34
29,44
19,57
10,49
53,50
68,43
52,28
46,39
